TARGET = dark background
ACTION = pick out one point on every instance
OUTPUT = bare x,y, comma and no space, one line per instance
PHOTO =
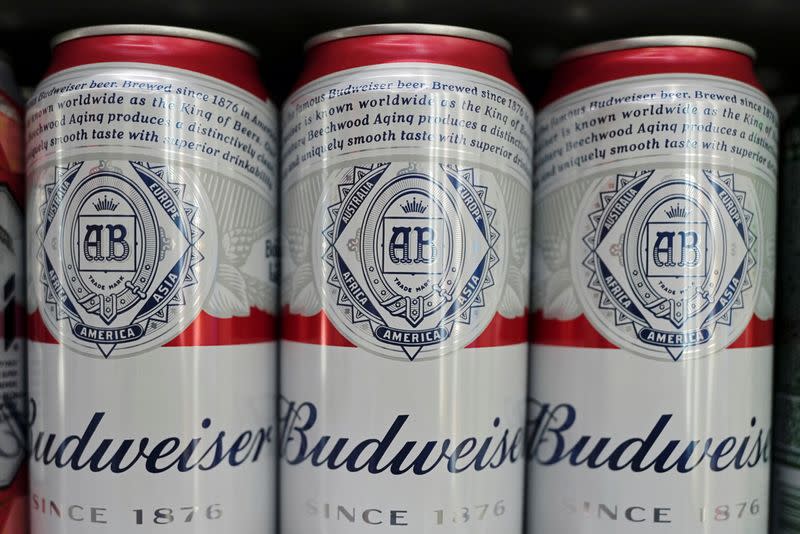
538,30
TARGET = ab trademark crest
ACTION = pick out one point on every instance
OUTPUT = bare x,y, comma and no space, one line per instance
411,259
667,263
119,253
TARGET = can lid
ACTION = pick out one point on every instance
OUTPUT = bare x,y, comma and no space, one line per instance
408,28
658,41
149,29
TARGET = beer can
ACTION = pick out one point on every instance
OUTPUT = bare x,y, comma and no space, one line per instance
406,198
152,223
786,484
654,259
13,429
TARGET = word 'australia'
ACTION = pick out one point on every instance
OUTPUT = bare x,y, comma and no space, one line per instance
299,444
551,440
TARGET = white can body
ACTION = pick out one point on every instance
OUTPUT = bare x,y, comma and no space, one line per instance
654,264
406,223
152,229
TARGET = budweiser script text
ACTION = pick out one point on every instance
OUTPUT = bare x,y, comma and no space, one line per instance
550,440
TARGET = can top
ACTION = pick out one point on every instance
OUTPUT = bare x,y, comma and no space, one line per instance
408,28
149,29
659,41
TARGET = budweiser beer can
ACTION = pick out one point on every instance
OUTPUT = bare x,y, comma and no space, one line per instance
406,193
13,428
786,494
654,268
152,224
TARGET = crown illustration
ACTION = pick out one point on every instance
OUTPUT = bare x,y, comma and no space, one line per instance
105,204
675,212
413,206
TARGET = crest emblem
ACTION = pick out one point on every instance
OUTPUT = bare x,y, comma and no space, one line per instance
119,251
668,262
411,259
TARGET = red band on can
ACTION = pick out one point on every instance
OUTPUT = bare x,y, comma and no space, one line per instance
318,330
217,60
353,52
585,71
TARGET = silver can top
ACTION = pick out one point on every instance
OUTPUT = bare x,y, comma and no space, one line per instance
659,41
408,28
148,29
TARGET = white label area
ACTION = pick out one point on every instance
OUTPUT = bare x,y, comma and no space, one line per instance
667,214
152,203
406,222
679,455
179,440
368,443
154,197
152,108
654,115
406,189
407,105
654,210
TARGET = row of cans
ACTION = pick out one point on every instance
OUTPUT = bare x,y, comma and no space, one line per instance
458,313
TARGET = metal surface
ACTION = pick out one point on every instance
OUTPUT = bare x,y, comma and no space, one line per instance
655,41
147,29
404,28
190,202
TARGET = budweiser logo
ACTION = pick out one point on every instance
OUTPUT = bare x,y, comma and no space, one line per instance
553,440
300,443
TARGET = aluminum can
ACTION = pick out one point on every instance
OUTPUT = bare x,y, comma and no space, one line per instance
654,260
786,484
151,172
13,429
406,200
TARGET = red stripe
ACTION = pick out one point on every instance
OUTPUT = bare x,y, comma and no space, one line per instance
11,145
757,334
582,72
258,327
342,54
14,505
205,331
574,333
579,332
503,331
37,331
318,330
314,330
220,61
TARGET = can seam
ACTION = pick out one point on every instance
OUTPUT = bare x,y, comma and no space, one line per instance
408,28
151,29
658,41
